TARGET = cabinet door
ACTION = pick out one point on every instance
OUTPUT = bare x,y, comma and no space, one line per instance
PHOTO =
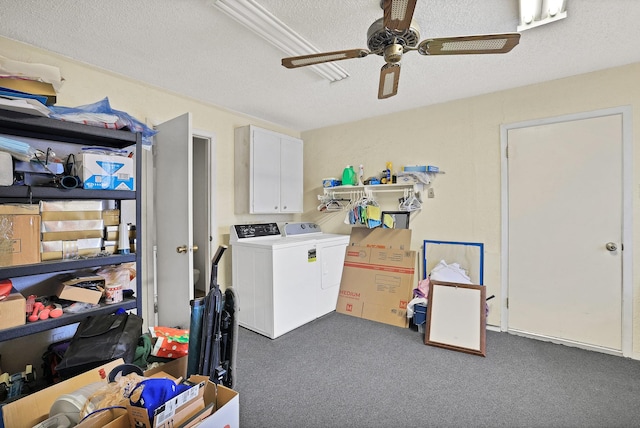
291,180
265,172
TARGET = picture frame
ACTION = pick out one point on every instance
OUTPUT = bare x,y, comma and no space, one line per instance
456,317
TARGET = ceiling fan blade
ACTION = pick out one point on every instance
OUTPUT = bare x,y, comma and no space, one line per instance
304,60
484,44
389,76
398,14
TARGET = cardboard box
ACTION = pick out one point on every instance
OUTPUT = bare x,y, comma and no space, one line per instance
30,87
70,215
13,310
75,289
34,408
73,205
19,209
213,406
71,225
105,172
380,238
71,235
19,239
378,277
111,217
58,250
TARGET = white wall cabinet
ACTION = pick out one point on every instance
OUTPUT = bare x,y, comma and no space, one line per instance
268,172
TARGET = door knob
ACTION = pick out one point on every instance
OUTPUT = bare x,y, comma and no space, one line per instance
183,249
611,246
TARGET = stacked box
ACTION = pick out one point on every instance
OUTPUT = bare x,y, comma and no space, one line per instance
19,234
106,172
71,228
112,236
13,310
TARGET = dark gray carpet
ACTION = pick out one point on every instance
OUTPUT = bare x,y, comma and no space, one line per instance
341,371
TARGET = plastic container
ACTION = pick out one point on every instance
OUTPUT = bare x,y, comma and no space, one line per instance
349,176
73,403
112,293
419,313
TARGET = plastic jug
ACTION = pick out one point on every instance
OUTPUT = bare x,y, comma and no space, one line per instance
348,176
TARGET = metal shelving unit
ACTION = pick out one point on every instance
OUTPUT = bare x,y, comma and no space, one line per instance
42,128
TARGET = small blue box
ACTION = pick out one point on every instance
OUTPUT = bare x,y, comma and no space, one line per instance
330,182
415,168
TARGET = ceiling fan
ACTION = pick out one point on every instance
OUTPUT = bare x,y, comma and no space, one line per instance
395,34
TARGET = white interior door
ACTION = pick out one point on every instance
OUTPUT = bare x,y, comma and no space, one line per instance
565,216
174,220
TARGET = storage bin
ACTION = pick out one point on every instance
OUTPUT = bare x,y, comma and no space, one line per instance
419,313
420,316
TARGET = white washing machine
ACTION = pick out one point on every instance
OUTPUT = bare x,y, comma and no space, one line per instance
285,276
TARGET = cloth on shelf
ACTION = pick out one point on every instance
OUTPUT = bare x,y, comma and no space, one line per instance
418,176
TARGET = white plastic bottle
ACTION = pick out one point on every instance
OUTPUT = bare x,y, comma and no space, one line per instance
361,175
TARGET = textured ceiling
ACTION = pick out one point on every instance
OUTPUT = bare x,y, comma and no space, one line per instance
191,48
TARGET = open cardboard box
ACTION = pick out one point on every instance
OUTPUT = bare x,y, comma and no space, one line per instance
214,405
378,274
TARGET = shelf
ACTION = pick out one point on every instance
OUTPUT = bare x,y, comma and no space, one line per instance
375,188
28,194
28,125
64,265
66,319
334,198
46,129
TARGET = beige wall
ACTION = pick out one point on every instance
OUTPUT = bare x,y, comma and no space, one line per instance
462,137
86,84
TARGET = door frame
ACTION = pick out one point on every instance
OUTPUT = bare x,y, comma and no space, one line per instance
627,210
150,286
211,203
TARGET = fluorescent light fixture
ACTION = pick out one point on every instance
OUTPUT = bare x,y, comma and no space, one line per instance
257,19
534,13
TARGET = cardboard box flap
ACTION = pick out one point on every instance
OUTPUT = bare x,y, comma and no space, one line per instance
381,238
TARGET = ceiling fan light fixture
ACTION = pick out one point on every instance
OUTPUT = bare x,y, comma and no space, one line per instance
259,20
534,13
